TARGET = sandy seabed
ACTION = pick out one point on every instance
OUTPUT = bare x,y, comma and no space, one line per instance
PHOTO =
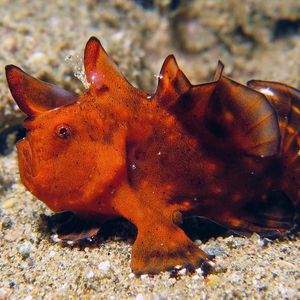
38,38
34,266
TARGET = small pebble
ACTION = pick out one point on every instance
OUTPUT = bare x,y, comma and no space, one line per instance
144,277
12,284
55,238
198,243
213,280
7,223
104,266
11,235
139,297
3,293
51,253
38,57
25,249
9,203
216,250
264,242
90,275
182,271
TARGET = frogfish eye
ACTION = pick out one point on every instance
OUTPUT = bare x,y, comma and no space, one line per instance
63,131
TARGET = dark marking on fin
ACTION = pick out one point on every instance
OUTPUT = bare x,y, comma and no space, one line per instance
247,117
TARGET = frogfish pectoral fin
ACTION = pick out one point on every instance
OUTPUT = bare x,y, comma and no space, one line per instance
69,228
162,247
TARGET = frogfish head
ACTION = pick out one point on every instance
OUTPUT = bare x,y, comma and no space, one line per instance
73,155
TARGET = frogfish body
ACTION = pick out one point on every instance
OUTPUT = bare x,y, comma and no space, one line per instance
220,150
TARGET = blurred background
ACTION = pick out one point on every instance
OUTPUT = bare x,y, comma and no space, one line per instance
254,39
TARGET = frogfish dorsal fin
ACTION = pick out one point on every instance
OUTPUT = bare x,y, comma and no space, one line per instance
102,73
222,112
172,83
245,116
190,106
34,96
219,71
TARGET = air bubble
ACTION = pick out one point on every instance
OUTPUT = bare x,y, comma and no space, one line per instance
159,76
76,63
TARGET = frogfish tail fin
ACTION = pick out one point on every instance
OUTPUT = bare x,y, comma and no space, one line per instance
286,101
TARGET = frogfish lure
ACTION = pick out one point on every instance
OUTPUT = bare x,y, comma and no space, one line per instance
220,150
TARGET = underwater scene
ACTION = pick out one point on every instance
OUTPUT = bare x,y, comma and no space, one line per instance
150,149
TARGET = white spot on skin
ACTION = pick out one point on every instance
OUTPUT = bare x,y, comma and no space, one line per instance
267,91
133,166
93,78
159,153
